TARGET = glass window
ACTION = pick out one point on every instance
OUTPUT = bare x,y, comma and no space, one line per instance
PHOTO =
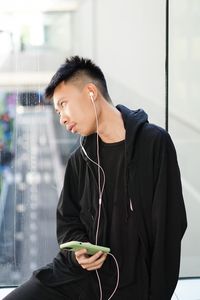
184,118
33,147
34,152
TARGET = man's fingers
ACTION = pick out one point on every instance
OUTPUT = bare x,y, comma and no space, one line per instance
95,263
80,253
90,262
90,259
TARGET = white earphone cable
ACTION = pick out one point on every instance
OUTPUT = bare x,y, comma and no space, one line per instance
101,190
117,282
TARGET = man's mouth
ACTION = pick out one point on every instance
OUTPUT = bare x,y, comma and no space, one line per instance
70,127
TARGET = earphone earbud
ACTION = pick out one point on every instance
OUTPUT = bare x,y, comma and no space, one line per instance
91,96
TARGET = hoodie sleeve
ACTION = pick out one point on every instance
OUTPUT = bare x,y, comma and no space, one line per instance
168,221
69,226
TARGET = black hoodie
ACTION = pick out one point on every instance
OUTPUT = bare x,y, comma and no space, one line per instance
155,193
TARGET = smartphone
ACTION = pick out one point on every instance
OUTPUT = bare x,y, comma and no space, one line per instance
91,249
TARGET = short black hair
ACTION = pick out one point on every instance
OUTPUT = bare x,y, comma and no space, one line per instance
74,68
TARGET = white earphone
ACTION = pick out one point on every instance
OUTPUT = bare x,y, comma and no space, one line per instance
91,96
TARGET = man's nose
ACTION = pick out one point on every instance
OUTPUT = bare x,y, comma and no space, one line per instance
63,119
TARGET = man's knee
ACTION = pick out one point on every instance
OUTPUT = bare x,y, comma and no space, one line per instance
31,289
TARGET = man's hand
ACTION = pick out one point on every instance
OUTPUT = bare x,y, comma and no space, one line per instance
90,263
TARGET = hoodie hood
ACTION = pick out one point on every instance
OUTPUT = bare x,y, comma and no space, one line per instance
133,121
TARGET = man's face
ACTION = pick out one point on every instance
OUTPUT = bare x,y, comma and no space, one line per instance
75,108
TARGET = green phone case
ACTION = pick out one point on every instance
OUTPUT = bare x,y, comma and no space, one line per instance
91,249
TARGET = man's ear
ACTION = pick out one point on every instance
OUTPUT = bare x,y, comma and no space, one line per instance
92,91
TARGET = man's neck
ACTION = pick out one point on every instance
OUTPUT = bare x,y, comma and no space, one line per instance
111,125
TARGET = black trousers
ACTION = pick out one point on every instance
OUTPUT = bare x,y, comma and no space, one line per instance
33,289
85,289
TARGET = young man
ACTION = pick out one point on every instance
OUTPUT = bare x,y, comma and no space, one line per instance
121,189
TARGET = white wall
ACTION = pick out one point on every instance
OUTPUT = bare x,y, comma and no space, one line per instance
83,29
128,43
185,60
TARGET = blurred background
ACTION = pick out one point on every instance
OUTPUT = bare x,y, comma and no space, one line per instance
127,39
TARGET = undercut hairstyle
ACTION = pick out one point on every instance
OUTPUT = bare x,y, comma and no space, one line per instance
80,71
